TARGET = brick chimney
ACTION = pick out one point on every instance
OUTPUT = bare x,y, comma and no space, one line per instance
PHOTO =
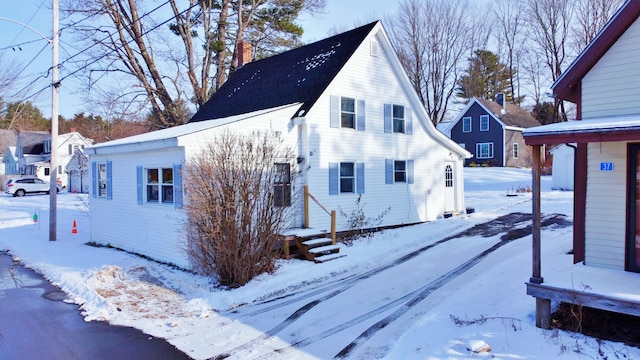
244,52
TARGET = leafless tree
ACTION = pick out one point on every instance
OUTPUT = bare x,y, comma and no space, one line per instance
232,188
550,25
163,54
432,39
589,18
511,38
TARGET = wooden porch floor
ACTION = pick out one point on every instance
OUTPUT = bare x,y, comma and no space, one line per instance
599,288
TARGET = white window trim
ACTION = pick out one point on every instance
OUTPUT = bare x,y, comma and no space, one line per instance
101,183
482,121
464,119
403,119
395,171
355,113
160,184
478,152
353,178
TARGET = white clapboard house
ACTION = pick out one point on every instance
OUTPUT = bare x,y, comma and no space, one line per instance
346,107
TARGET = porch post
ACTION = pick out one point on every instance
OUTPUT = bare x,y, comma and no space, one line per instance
543,306
306,206
536,276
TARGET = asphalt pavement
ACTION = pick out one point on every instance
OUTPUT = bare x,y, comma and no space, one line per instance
36,324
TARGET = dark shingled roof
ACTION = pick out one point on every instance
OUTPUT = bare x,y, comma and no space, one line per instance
515,116
299,75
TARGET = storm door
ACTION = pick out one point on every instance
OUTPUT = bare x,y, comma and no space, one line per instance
633,226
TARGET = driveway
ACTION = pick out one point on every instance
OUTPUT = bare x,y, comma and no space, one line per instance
37,324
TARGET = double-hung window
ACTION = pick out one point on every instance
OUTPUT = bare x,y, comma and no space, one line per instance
159,185
398,119
466,124
347,177
398,171
282,185
348,112
484,150
484,122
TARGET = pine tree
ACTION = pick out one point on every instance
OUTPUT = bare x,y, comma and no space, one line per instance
485,77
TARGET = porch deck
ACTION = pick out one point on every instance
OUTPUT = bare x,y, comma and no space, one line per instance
599,288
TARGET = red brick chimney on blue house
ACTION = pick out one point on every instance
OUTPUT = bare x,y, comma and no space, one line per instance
244,52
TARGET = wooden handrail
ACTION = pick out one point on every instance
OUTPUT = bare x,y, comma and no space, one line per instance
331,213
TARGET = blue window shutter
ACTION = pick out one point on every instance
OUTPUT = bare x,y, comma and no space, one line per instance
333,179
388,171
387,117
139,184
360,115
109,183
94,179
334,116
360,178
177,186
409,120
409,171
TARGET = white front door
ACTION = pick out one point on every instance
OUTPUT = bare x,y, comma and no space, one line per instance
449,187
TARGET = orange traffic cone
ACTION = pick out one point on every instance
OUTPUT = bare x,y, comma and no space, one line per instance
75,229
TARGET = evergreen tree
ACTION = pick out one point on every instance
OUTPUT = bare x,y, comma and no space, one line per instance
485,77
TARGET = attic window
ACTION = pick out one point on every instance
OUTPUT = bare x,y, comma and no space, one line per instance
373,48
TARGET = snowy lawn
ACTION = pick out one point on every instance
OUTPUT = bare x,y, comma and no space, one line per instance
307,310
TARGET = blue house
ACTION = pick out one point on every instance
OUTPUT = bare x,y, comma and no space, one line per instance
493,133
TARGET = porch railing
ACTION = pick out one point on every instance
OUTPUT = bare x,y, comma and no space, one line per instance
332,213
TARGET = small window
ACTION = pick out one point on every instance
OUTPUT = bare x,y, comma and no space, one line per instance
282,185
448,176
102,180
47,171
398,119
347,177
399,171
516,151
348,113
484,122
484,150
466,124
463,145
159,185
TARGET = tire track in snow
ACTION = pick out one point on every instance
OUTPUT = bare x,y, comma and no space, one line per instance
486,229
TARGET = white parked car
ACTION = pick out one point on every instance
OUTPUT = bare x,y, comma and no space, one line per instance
20,187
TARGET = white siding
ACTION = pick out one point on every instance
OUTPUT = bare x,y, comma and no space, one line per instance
150,229
612,87
408,203
605,226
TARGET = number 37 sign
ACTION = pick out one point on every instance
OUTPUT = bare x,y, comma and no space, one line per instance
606,166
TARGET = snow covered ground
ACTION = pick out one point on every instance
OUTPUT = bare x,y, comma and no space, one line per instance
403,294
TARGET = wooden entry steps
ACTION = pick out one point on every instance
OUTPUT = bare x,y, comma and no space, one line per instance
317,247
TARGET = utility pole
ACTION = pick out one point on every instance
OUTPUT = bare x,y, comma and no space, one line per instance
53,171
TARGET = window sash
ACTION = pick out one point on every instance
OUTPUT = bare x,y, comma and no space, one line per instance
348,112
399,171
484,150
102,180
466,124
484,122
516,151
347,177
398,119
159,185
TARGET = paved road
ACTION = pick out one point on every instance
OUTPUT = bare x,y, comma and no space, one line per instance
32,326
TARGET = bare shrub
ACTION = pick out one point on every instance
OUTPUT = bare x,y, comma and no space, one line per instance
232,224
360,225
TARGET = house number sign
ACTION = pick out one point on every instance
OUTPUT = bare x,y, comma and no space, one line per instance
606,166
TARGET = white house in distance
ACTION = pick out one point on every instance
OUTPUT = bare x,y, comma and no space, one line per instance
346,107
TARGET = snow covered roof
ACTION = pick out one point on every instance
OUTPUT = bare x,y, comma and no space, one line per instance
617,128
174,133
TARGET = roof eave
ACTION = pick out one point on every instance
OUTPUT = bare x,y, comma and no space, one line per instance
567,86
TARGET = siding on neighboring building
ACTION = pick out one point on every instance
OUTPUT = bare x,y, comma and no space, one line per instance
470,139
612,87
606,206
